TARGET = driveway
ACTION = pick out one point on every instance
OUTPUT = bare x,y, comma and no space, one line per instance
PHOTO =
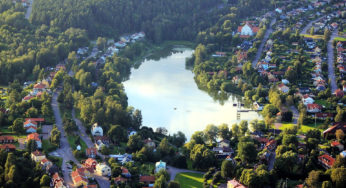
46,129
174,171
330,52
264,40
271,161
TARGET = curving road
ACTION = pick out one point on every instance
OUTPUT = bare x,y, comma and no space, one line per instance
330,51
308,26
264,40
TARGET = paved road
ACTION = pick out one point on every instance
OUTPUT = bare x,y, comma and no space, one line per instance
308,26
264,40
65,150
271,161
29,10
174,171
330,50
295,114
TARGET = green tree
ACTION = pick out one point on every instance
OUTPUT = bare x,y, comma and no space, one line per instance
247,151
202,157
224,132
313,180
211,132
326,35
17,126
31,146
101,42
173,184
45,180
338,177
117,133
243,126
165,148
135,142
227,169
312,31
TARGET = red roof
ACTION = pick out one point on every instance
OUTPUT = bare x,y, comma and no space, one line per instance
37,153
40,86
339,93
314,106
90,151
33,136
324,115
335,143
271,142
147,179
124,170
253,28
30,121
6,138
35,119
120,179
7,146
90,162
327,160
26,98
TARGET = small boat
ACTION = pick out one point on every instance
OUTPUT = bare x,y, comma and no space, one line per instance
175,108
234,104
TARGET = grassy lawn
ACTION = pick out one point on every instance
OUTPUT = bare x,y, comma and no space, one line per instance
47,146
72,141
313,36
5,130
303,129
118,149
56,160
323,103
342,39
64,111
190,180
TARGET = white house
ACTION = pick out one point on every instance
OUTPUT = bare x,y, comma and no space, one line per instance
103,170
308,100
96,130
314,108
160,165
284,81
283,88
247,29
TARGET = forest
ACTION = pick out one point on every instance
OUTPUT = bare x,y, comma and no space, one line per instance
159,19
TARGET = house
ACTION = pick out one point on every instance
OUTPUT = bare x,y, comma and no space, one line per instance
247,30
90,163
324,116
131,132
125,172
223,143
37,156
79,178
45,163
150,143
103,170
321,87
6,139
31,129
314,108
337,144
57,181
257,106
29,123
331,130
8,147
241,56
235,184
37,120
147,179
339,93
119,180
343,154
96,130
160,165
271,145
283,88
39,87
99,144
223,152
307,100
104,139
219,54
304,90
284,81
88,172
278,10
34,136
326,161
91,152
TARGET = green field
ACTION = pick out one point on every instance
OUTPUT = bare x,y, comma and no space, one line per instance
313,36
47,146
72,141
303,129
342,39
189,180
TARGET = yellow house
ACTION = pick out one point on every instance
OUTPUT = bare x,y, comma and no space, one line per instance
103,170
37,156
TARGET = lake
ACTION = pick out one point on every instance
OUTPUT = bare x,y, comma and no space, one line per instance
168,96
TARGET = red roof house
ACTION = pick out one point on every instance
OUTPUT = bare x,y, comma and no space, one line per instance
8,147
6,139
314,108
326,161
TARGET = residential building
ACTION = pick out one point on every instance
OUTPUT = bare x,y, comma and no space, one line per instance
79,178
160,165
247,30
34,136
235,184
336,126
96,130
103,170
119,180
150,143
91,152
283,88
57,181
6,139
37,156
307,100
125,172
45,163
326,161
223,143
147,179
90,163
337,144
314,108
8,147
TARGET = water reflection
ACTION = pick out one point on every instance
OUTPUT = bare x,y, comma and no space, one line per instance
166,93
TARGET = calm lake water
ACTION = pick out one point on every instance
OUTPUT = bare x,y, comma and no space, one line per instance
168,96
